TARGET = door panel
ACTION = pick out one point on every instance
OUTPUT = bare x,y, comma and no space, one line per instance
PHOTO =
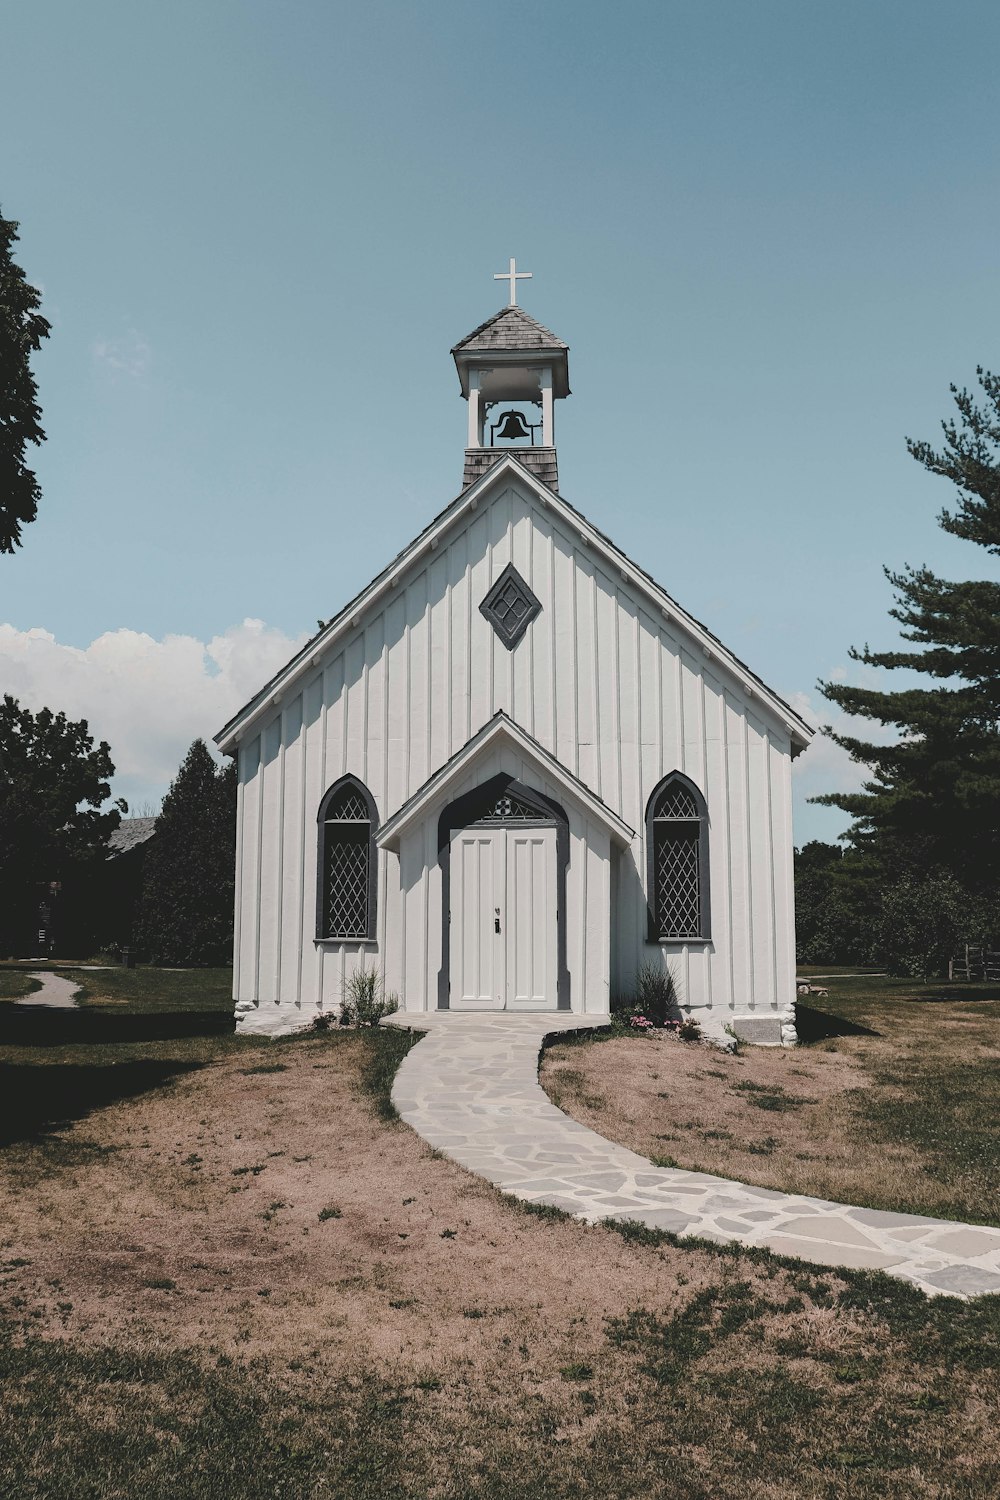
477,954
532,968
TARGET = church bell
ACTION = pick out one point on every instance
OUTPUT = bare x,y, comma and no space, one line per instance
513,425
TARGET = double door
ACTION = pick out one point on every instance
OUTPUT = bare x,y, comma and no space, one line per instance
503,919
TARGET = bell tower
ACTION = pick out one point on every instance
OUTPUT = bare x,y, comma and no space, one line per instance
512,372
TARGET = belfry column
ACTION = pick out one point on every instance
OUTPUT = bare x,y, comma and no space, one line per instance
545,381
475,411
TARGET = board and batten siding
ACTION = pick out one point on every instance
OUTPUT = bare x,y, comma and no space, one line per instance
618,693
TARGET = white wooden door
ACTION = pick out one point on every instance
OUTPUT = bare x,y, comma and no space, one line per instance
477,892
503,919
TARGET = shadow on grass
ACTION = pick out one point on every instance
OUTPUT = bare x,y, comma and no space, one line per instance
38,1026
35,1099
964,996
816,1025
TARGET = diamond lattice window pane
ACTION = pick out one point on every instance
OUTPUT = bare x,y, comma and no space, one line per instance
346,882
348,806
675,801
510,606
678,881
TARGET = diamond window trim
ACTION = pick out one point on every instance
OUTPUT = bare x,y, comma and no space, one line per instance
510,606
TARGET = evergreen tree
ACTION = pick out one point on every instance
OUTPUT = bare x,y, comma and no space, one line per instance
53,784
22,329
834,906
933,801
187,903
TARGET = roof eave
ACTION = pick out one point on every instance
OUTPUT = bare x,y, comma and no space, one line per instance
558,359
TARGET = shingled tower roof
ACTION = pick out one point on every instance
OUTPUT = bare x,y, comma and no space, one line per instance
510,328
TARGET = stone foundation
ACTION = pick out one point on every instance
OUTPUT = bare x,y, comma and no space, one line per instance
273,1020
762,1028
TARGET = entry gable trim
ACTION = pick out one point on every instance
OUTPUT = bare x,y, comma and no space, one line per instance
500,729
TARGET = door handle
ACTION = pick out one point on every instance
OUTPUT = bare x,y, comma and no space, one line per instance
496,919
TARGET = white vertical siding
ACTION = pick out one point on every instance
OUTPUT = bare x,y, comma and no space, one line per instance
614,690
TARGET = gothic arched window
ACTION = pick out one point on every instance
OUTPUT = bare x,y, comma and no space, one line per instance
677,862
347,863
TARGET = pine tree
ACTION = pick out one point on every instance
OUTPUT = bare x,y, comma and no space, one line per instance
22,329
933,801
187,904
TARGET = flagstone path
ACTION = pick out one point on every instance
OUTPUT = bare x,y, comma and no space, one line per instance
470,1089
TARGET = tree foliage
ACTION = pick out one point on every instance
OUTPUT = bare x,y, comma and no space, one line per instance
53,785
22,329
187,904
932,803
834,906
923,921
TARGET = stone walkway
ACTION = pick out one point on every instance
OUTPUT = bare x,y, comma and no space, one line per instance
470,1089
57,993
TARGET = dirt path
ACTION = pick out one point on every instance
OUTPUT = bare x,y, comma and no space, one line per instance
56,993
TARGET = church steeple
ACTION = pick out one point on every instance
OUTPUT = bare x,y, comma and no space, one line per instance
512,371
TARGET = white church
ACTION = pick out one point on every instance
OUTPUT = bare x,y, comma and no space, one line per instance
514,769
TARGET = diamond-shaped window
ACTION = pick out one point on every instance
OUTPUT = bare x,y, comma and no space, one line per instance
510,606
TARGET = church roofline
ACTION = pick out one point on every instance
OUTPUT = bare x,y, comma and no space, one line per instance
511,337
501,726
517,316
351,616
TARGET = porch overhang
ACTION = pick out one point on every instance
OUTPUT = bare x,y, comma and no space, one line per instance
499,731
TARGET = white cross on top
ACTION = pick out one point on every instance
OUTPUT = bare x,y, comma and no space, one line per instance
513,276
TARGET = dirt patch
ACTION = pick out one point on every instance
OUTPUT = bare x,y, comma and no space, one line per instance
171,1218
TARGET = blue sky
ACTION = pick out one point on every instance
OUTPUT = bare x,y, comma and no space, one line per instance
768,232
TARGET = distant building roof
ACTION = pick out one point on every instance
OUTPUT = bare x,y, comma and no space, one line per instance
130,833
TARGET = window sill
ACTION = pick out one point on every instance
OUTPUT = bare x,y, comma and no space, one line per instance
688,942
345,942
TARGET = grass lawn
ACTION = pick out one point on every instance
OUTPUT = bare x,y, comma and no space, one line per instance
227,1271
892,1102
16,983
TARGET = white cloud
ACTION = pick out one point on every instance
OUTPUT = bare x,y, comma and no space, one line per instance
149,699
128,355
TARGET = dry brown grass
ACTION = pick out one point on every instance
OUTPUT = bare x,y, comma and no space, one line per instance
901,1118
516,1356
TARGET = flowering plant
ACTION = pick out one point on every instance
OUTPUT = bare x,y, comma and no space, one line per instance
641,1023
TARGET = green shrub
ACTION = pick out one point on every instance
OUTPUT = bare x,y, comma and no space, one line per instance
656,994
365,1001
